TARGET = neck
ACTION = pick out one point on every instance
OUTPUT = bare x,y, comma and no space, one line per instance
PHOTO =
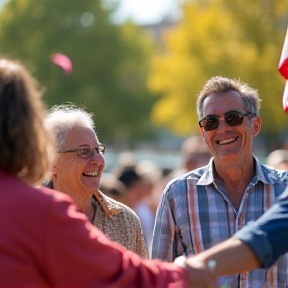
81,200
234,172
234,180
90,211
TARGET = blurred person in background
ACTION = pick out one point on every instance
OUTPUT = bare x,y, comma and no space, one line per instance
278,159
194,154
44,240
134,185
134,194
125,160
112,187
208,205
151,175
138,179
77,172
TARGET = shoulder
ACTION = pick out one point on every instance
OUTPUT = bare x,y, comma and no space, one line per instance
273,174
179,184
195,174
26,193
55,196
127,210
36,205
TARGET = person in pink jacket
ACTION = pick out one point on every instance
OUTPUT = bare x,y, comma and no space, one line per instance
44,240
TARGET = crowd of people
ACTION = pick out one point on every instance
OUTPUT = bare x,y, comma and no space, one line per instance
66,224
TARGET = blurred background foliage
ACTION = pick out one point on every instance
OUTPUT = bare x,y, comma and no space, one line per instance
110,62
137,86
238,39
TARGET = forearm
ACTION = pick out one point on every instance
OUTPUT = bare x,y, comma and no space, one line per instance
232,256
268,236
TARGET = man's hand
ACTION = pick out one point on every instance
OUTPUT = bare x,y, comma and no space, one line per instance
200,275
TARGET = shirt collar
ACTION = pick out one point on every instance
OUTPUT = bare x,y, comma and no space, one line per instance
109,206
263,174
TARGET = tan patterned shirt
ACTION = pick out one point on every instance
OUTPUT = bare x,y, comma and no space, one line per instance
119,223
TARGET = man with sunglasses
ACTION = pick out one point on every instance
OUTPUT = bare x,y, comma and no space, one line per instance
77,172
208,205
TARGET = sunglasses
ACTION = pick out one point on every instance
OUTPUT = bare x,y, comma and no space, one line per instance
232,118
86,151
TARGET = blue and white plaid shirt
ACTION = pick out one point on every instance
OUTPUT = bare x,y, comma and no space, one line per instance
195,214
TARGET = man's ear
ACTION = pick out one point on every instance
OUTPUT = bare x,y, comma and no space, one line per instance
201,131
257,122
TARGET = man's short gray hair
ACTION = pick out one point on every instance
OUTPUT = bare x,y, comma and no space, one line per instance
219,84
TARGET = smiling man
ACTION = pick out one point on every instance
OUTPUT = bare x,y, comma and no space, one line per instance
78,170
208,205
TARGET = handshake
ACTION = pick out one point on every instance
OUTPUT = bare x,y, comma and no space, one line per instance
201,274
204,268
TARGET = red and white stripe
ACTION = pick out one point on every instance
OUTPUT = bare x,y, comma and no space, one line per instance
283,64
283,69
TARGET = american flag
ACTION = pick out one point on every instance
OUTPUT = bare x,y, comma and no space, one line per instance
283,69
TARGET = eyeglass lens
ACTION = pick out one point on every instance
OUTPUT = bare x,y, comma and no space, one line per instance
87,151
232,118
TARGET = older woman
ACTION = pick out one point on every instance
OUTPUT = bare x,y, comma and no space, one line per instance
77,172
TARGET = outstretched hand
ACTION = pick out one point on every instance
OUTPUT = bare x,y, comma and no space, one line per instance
200,275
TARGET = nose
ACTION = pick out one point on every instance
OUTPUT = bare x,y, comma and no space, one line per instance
96,155
223,125
97,158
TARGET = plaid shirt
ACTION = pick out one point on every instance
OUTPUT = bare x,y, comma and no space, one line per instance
195,214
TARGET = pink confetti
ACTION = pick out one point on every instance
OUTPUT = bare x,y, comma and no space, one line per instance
63,61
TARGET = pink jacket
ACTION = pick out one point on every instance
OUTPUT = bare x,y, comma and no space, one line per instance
45,242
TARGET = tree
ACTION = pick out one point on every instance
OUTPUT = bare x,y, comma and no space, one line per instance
237,39
109,61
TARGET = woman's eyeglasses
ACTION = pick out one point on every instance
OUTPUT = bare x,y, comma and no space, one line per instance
232,118
86,151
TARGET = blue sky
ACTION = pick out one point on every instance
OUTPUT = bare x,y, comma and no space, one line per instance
142,11
2,2
146,11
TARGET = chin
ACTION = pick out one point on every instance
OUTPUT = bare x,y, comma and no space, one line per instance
228,158
90,186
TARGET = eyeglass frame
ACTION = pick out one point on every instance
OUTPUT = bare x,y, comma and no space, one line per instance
100,152
248,114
